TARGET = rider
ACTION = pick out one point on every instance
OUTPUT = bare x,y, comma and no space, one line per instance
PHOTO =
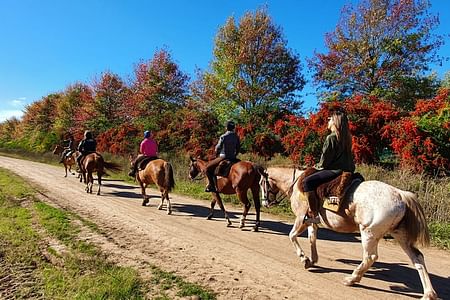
336,158
86,146
68,149
148,149
227,148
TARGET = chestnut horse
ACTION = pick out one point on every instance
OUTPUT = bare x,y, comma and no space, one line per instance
68,161
94,162
159,172
373,208
243,175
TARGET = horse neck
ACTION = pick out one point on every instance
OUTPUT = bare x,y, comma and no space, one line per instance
284,178
202,164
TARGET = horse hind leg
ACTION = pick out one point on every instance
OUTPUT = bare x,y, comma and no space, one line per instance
99,178
165,195
418,261
370,254
244,200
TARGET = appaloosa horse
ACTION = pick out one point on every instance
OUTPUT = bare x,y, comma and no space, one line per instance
68,161
94,162
243,175
159,172
373,208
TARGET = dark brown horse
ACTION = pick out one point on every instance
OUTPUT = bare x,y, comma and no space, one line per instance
94,162
159,172
243,176
68,161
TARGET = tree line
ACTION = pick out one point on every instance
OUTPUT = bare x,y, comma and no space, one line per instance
376,67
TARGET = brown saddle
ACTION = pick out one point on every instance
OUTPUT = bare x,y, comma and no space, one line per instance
332,193
144,162
224,167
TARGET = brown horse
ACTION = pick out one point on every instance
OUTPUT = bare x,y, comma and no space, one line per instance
68,161
243,176
159,172
94,162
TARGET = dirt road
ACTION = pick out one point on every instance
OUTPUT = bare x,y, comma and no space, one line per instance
234,263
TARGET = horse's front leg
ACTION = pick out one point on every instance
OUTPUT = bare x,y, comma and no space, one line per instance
297,229
65,168
312,236
211,209
222,207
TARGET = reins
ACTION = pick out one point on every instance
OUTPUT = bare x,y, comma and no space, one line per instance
287,194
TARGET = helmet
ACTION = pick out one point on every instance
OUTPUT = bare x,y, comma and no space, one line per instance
87,134
147,134
230,125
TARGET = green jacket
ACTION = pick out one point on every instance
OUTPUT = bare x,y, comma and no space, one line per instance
334,157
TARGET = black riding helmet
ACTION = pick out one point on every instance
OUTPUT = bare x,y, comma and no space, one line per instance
231,125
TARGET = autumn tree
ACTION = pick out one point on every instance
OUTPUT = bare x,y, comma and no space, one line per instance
160,88
110,93
72,99
253,73
382,48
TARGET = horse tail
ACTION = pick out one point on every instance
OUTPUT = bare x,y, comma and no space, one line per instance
112,166
414,220
168,180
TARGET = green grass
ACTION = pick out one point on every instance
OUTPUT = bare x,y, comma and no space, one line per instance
82,271
168,281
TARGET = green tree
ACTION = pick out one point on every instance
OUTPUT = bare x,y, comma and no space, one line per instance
253,72
383,48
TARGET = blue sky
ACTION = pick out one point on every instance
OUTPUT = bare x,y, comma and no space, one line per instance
47,45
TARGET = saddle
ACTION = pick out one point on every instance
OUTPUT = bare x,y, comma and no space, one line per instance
332,193
144,162
224,167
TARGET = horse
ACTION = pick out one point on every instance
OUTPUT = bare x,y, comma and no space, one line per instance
243,175
159,172
94,162
68,161
373,208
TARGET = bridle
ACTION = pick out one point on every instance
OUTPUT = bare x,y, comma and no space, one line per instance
269,190
195,166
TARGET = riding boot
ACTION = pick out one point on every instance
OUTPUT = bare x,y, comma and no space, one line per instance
132,173
211,187
313,210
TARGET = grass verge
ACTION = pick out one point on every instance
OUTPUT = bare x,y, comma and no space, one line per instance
42,256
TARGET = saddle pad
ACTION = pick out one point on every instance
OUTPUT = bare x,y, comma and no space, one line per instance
224,167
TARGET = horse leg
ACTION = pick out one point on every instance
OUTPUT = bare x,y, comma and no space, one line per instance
160,206
256,200
222,207
144,195
211,210
369,243
418,260
297,229
169,205
244,200
99,178
312,236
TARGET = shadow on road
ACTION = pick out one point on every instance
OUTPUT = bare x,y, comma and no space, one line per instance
404,278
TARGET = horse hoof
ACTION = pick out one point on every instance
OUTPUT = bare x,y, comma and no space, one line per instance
169,212
209,217
349,280
307,263
255,229
229,223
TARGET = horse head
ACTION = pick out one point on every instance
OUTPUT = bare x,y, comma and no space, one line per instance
194,169
269,190
57,150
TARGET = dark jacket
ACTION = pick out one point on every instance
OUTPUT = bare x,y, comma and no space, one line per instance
69,143
87,146
334,157
228,145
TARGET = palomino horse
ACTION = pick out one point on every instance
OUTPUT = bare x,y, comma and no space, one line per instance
374,208
94,162
159,172
68,161
243,175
